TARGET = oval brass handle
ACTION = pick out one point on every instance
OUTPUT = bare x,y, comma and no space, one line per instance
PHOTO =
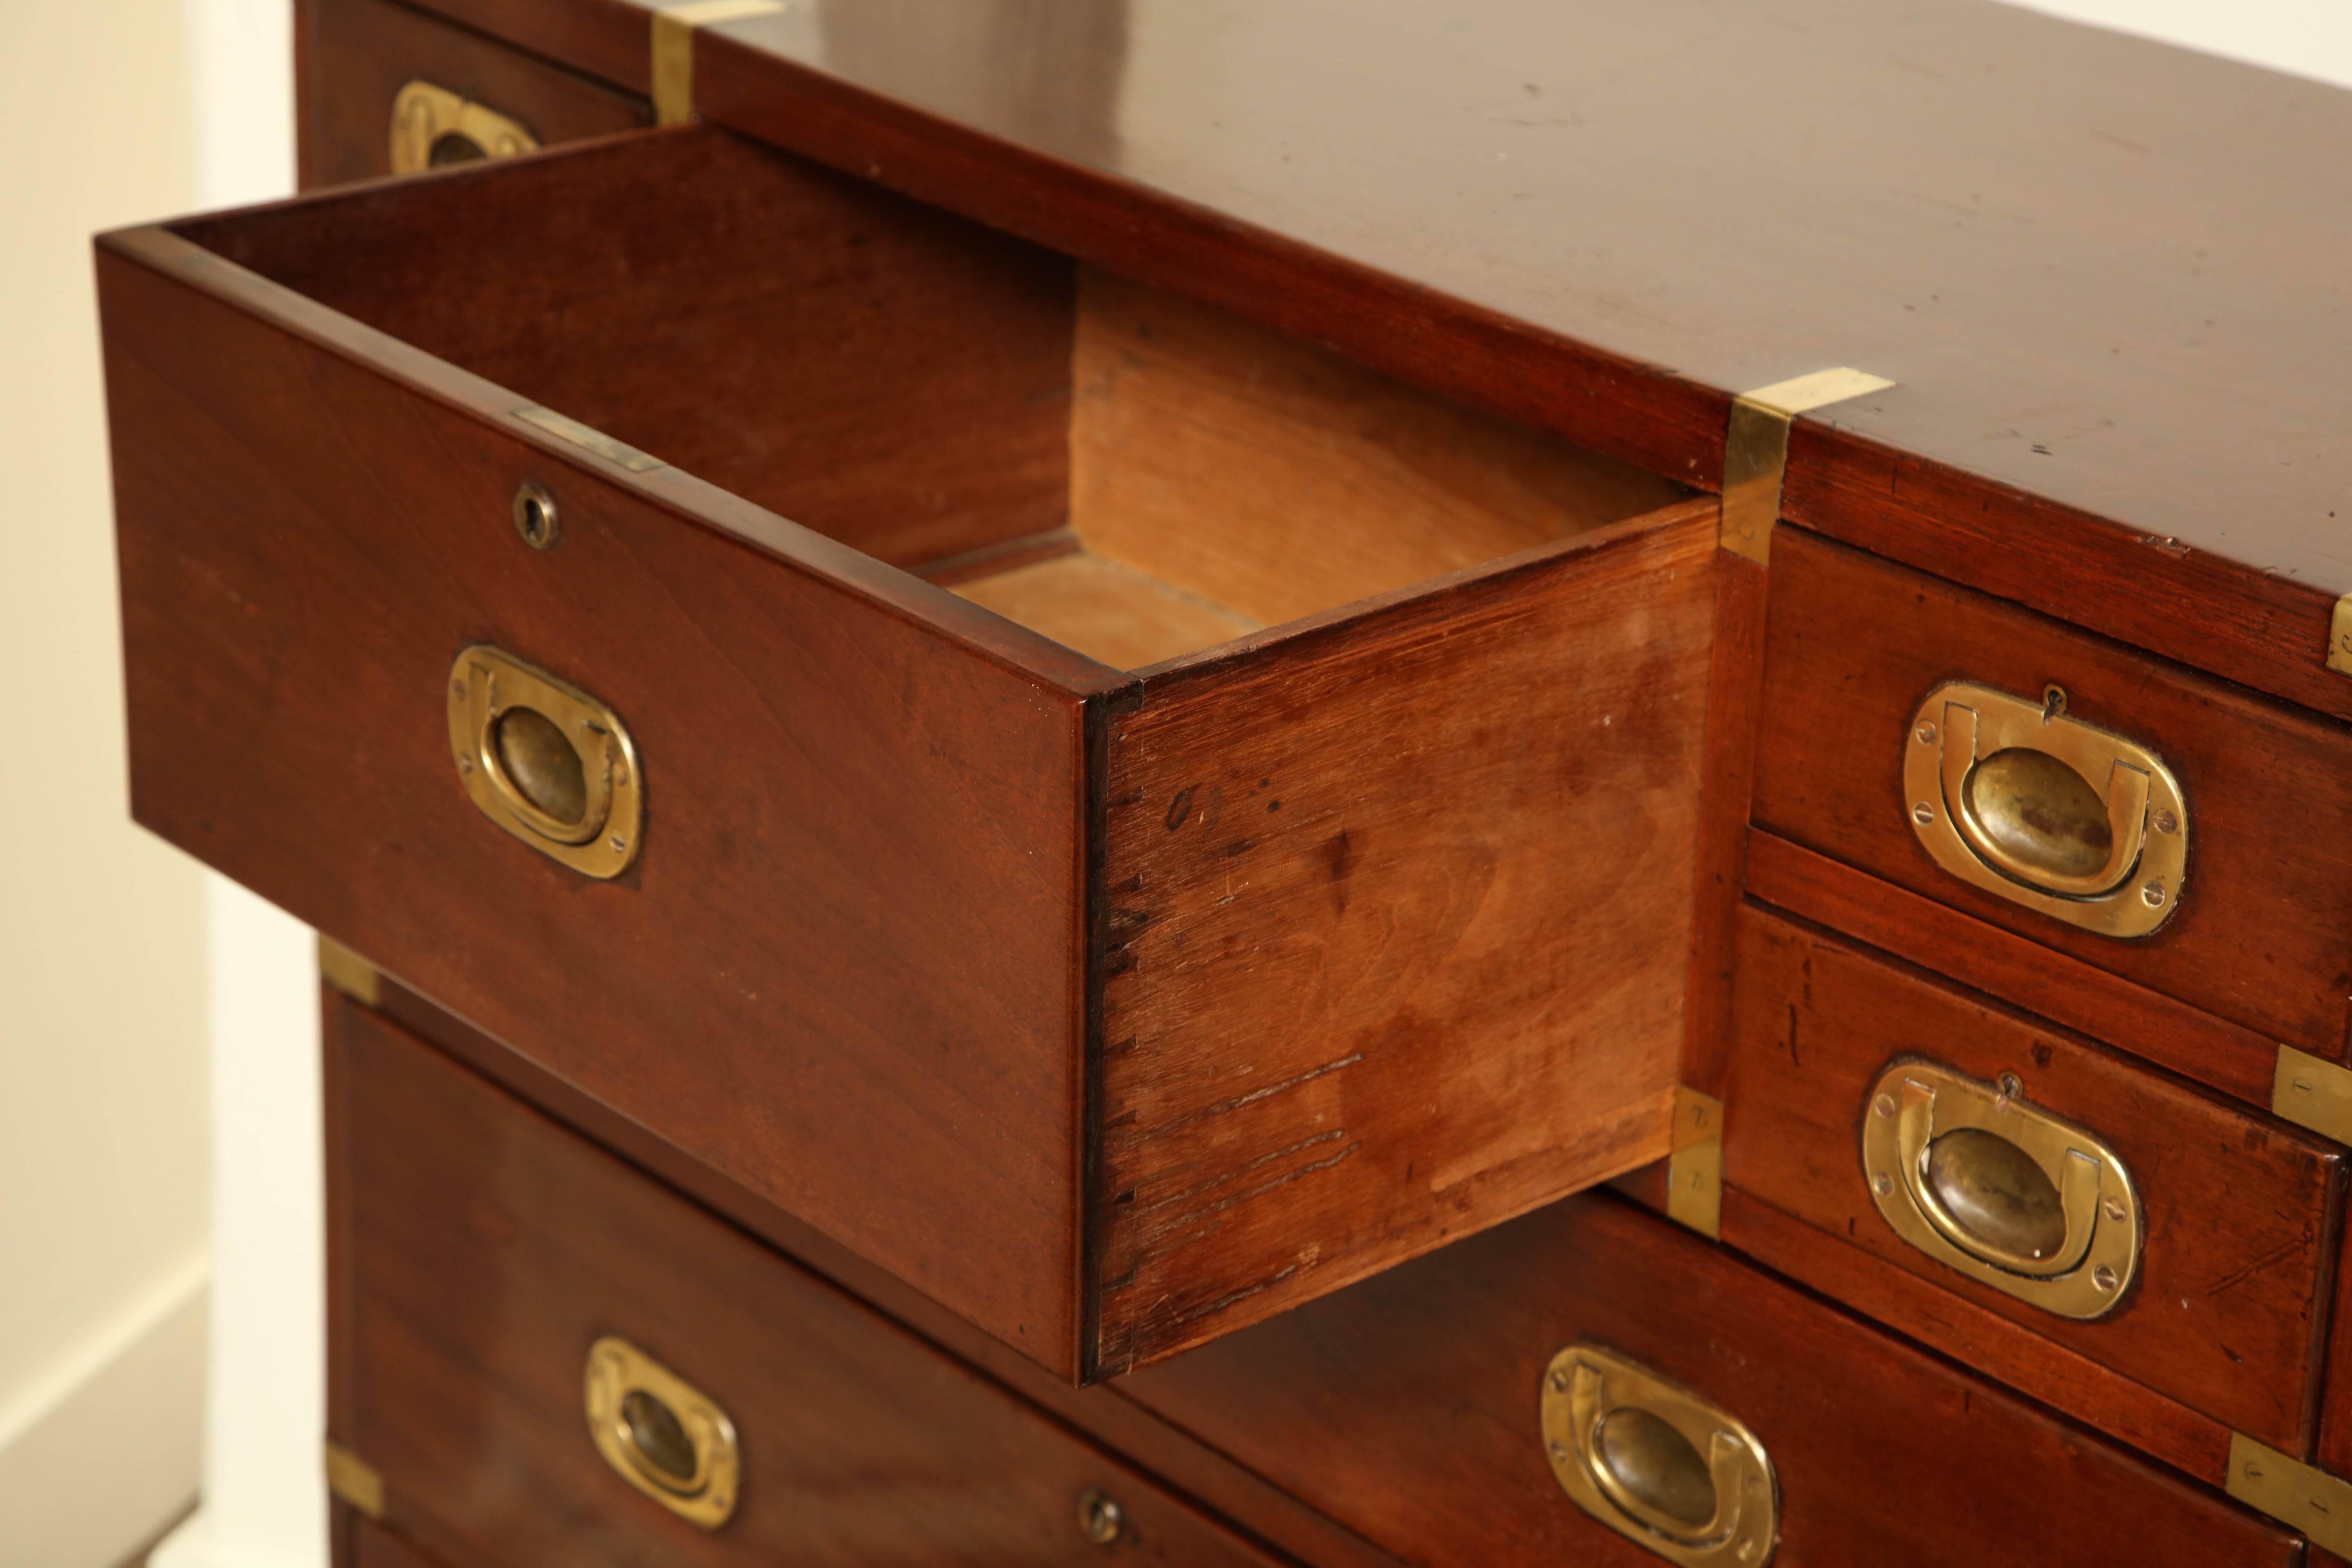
545,761
1656,1463
661,1434
1971,1174
2044,810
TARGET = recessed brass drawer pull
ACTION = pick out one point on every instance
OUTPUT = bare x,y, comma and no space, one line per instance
2017,798
546,761
2008,1193
665,1437
1656,1463
431,126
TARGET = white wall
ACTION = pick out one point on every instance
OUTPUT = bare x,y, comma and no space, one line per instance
2306,38
102,1190
264,1496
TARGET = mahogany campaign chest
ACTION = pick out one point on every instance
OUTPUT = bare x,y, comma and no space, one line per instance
1253,783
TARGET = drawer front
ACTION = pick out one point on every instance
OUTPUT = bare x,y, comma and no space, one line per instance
838,966
1409,1407
1114,1008
479,1251
357,55
2220,1302
2260,927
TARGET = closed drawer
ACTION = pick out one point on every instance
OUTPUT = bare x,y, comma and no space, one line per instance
2217,1227
1114,990
2256,920
1409,1407
498,1288
384,86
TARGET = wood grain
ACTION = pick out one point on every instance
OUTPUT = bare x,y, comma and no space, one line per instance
2263,927
2241,1214
356,55
854,925
1277,479
1407,1408
493,1248
2220,1055
1102,1411
1734,703
1398,910
884,374
1106,610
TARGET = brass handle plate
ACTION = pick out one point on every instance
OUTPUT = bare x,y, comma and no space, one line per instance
546,761
662,1434
2009,1195
2017,798
431,126
1656,1463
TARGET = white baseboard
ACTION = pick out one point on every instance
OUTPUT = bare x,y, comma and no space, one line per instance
100,1454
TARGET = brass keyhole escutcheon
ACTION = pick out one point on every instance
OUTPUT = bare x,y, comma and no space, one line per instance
546,761
535,517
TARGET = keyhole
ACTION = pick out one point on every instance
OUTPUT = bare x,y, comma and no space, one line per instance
535,517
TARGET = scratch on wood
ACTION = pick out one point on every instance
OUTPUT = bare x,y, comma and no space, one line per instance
1180,809
1220,1107
1240,1171
1208,1308
1222,1206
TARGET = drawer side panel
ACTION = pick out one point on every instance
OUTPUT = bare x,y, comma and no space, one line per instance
843,970
1397,920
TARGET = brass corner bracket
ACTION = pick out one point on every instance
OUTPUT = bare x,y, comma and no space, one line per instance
1694,1168
673,50
2339,636
1756,450
2313,1092
354,1480
348,973
2295,1494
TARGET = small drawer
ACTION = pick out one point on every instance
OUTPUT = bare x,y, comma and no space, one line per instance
2177,1241
1098,945
1414,1408
384,88
2216,820
546,1358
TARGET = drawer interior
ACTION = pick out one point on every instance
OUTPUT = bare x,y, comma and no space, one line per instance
1134,475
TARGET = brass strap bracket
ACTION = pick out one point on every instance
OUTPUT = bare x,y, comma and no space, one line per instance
673,50
1756,450
354,1480
2339,638
2308,1499
2312,1091
349,973
1694,1168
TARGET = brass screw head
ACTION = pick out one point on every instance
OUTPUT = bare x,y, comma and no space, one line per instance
1923,814
2103,1277
1884,1105
2152,895
2115,1209
1882,1183
2167,823
1927,734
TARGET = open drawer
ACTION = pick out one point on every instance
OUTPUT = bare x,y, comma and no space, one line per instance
1262,850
